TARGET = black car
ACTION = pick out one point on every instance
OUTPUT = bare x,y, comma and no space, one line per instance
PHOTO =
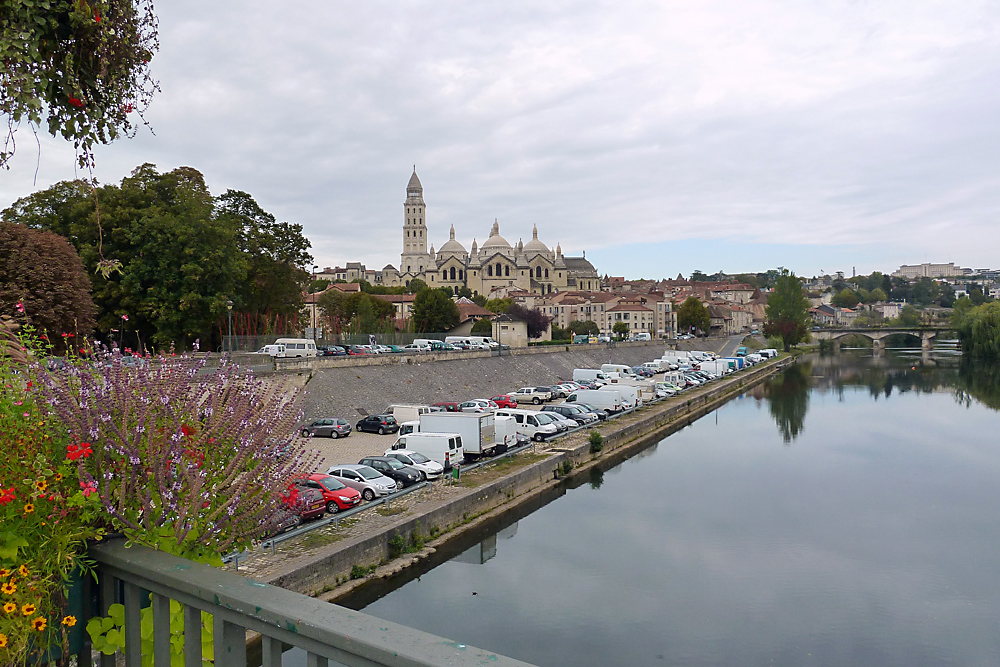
331,351
380,424
393,468
329,426
601,414
574,412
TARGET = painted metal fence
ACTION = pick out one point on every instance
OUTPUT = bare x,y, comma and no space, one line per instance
329,634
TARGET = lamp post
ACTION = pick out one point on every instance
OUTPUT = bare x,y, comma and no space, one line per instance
313,296
229,338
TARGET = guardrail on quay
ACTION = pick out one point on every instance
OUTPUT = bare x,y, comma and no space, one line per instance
328,633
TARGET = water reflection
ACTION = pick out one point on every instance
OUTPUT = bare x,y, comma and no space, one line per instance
788,400
980,382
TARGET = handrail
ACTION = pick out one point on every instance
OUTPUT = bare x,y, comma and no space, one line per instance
327,632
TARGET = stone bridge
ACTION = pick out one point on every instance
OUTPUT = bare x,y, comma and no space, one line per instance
925,334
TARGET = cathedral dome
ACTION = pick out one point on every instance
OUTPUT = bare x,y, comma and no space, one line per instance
452,246
495,240
534,245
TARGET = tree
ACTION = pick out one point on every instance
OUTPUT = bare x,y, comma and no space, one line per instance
845,298
979,329
483,327
878,294
42,272
416,286
698,277
787,311
498,306
537,321
82,67
692,314
434,312
908,316
620,329
582,327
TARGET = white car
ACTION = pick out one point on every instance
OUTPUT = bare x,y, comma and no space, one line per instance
477,405
428,469
417,347
370,482
530,395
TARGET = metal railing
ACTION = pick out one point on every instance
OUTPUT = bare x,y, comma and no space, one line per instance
329,634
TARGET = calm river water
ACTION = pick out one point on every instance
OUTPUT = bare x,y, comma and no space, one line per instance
843,514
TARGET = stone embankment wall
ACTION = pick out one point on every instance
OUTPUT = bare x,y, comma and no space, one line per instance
327,567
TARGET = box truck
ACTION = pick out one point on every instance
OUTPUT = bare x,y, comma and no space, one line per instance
483,434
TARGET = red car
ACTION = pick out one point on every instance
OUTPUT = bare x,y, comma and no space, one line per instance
338,496
504,401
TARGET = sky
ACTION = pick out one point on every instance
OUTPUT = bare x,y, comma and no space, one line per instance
658,137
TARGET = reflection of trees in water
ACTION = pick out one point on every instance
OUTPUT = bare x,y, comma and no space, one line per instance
881,376
788,399
980,381
596,477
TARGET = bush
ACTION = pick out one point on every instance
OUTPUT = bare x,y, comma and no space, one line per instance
567,467
596,442
359,571
397,545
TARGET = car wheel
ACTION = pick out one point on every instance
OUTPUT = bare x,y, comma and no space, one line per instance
368,495
536,400
334,435
423,476
381,431
305,433
332,507
537,437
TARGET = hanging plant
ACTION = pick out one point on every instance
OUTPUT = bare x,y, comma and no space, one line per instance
81,67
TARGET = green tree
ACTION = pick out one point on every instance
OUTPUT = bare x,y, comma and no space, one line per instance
82,67
698,277
416,286
692,314
482,327
42,272
434,312
878,294
845,298
581,327
979,329
909,316
787,311
498,306
620,329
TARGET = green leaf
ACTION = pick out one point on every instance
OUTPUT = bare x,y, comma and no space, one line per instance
116,637
117,613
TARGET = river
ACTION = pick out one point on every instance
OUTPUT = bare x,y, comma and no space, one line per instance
843,513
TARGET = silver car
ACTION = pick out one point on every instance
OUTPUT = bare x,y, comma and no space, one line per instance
328,426
370,482
429,469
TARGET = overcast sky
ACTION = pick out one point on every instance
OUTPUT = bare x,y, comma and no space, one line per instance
659,137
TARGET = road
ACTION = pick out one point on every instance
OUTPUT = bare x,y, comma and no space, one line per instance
729,349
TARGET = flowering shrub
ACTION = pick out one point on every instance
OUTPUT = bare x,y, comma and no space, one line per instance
46,513
183,459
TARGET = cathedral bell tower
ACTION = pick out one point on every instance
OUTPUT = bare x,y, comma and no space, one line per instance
414,258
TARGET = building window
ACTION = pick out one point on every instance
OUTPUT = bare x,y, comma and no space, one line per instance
538,272
489,270
506,271
421,233
460,277
453,273
546,273
498,269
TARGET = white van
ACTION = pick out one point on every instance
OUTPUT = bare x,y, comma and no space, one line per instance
641,336
589,375
272,350
630,395
461,342
445,448
527,423
405,413
428,341
608,399
484,340
621,369
298,347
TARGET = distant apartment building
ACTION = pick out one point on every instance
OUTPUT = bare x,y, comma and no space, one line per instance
927,270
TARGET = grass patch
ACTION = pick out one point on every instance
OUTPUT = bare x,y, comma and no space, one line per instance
318,538
390,511
484,475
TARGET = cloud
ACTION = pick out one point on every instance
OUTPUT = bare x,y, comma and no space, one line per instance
843,125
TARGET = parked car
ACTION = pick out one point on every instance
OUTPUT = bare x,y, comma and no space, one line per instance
330,351
447,406
333,427
504,401
561,423
357,350
477,405
532,395
417,347
601,414
574,412
428,469
336,494
556,391
391,467
365,479
380,424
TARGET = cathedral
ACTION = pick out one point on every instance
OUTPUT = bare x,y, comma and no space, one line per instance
530,266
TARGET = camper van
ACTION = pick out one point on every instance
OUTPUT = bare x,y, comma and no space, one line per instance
272,350
298,347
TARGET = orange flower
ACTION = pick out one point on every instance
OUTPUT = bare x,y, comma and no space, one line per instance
4,573
39,623
69,621
8,588
10,608
58,477
41,485
28,609
29,509
23,571
3,640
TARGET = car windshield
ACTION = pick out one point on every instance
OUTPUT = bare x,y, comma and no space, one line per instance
330,484
395,464
368,473
418,458
544,417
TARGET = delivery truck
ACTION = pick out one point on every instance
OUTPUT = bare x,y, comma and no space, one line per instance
483,434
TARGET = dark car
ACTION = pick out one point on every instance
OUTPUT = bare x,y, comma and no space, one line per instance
447,406
555,391
601,414
380,424
298,503
331,351
574,412
333,427
336,495
393,468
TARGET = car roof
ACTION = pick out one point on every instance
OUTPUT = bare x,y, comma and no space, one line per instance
353,466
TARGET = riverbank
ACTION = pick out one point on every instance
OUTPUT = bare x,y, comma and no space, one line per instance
323,562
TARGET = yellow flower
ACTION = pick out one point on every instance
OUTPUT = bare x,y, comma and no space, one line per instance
41,485
8,588
23,571
4,573
58,477
39,623
29,508
28,609
10,608
3,640
69,621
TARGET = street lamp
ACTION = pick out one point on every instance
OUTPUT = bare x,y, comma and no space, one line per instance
313,295
229,341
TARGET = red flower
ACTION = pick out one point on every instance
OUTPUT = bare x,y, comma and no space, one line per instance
6,495
186,430
127,108
97,18
88,488
73,452
20,305
75,102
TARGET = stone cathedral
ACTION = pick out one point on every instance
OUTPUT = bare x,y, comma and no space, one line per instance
530,266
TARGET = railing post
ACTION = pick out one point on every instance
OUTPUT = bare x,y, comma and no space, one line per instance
133,628
107,597
161,631
192,636
230,643
270,652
